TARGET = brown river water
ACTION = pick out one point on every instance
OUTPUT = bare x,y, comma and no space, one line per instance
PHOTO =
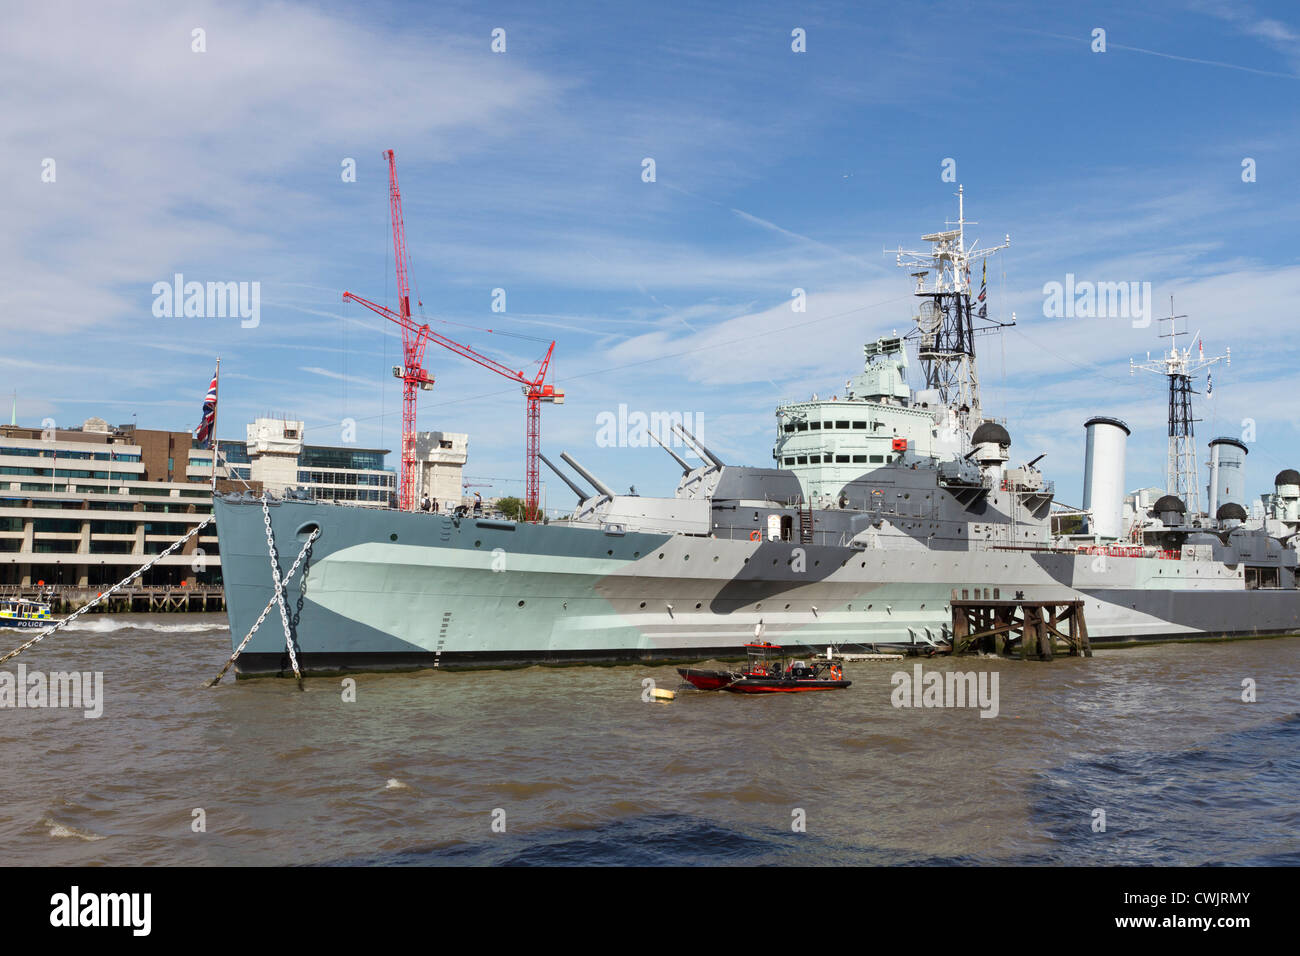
571,766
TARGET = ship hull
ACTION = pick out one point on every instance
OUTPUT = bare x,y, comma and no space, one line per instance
384,590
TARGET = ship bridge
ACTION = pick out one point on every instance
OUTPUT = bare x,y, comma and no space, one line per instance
828,443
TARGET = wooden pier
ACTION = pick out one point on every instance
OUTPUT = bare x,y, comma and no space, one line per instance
155,598
984,620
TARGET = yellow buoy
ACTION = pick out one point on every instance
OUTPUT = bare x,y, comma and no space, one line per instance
660,694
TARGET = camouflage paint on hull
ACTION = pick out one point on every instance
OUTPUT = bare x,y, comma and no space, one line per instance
386,589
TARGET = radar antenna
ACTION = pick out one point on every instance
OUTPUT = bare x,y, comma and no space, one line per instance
947,321
1181,479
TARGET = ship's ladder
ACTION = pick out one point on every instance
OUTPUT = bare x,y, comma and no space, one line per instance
805,523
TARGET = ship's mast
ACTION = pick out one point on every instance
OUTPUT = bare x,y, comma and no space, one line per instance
946,323
1181,479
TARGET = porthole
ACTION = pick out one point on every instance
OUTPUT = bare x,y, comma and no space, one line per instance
636,554
478,544
521,603
698,605
787,607
715,559
610,552
643,603
661,557
393,536
758,607
686,557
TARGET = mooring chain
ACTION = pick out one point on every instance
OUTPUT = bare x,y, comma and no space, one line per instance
279,590
265,611
125,581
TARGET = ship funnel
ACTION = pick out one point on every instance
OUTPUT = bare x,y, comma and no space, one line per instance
581,493
698,446
1103,475
1227,473
591,479
686,468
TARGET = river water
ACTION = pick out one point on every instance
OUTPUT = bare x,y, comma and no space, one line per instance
571,766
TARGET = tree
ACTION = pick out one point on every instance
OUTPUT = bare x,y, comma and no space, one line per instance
512,508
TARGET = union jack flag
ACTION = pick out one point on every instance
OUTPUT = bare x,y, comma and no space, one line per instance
203,434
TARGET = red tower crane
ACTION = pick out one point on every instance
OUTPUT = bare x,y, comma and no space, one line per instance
413,376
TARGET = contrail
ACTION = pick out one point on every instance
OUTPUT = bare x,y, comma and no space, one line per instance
1168,56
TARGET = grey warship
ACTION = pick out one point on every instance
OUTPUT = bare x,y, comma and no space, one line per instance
884,502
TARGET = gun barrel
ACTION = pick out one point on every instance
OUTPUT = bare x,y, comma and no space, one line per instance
591,479
581,493
686,468
698,445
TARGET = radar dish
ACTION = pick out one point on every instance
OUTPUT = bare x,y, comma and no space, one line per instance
928,318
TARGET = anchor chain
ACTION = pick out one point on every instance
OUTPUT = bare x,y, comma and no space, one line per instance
279,590
265,611
125,581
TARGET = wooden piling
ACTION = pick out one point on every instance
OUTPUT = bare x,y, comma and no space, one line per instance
991,623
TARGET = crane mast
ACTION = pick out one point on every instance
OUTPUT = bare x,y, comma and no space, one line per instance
414,377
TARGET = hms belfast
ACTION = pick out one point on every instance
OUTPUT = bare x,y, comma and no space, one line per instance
885,503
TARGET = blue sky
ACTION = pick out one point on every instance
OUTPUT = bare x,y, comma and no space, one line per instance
522,170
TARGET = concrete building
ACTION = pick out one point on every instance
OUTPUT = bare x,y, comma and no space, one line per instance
276,455
441,457
83,507
86,506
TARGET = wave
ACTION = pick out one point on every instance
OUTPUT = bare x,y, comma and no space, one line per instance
107,625
62,831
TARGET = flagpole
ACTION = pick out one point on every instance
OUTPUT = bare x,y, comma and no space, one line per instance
216,442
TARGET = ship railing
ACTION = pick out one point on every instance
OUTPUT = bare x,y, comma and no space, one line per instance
1129,551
